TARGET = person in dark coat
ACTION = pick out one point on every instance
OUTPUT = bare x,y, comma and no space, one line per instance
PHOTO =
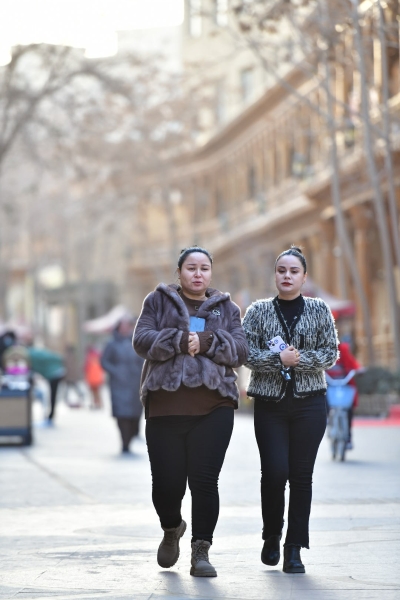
124,368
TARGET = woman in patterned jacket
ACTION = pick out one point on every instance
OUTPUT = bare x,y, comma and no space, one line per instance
288,384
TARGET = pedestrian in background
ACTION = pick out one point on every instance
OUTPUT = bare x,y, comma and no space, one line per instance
192,339
7,339
50,365
124,368
346,363
94,376
73,375
289,387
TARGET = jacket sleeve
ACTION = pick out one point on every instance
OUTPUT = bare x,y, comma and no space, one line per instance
326,352
259,359
150,342
106,360
229,348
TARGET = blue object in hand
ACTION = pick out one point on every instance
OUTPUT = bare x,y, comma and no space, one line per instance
197,324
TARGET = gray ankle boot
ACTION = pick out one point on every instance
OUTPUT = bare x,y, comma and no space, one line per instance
201,566
168,551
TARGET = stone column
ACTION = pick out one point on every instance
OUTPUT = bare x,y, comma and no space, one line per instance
317,266
326,260
361,222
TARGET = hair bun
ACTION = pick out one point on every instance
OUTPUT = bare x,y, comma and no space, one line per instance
294,251
296,248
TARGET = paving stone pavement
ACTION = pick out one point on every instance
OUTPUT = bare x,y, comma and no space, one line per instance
77,522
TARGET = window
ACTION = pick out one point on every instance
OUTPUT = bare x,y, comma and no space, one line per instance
220,103
221,12
297,164
394,70
251,182
220,211
247,84
194,17
202,197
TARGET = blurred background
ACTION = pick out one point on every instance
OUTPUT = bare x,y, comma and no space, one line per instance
130,130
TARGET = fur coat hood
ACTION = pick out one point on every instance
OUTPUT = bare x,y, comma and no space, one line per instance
157,337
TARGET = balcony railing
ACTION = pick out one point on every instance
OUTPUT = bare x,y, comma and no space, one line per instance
269,205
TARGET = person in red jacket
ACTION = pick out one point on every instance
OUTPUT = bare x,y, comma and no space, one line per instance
344,365
94,375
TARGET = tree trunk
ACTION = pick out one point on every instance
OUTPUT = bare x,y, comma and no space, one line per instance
394,215
3,271
341,224
172,229
377,193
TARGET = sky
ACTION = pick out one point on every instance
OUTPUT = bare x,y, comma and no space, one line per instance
89,24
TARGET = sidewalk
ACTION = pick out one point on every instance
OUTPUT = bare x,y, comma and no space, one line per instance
76,521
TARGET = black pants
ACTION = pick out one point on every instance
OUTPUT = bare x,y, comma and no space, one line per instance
54,383
189,449
350,414
129,428
288,435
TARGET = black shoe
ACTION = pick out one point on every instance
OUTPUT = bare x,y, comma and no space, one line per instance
270,554
291,560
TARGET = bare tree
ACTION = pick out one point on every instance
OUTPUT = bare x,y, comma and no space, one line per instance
296,35
104,133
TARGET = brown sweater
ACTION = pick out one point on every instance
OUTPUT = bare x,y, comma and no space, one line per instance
187,401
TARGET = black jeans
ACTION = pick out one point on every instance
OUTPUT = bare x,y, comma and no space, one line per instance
188,449
54,383
288,435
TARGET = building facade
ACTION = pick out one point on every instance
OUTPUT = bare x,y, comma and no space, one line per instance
230,71
264,181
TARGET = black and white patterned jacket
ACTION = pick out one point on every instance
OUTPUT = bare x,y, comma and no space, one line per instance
313,334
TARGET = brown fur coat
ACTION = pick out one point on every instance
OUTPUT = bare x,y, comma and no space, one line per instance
157,337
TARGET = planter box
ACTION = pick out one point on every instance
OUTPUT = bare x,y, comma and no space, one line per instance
15,416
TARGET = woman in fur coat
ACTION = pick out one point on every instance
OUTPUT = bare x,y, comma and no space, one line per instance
292,342
191,338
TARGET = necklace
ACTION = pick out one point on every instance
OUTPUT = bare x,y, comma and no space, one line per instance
296,317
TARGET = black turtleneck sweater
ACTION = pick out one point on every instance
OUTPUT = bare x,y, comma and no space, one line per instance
290,310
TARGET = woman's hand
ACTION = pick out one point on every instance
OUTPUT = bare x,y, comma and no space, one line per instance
194,343
290,357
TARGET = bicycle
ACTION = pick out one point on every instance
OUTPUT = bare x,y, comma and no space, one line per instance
340,397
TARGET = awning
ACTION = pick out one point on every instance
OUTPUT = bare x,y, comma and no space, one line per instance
108,321
340,308
21,329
